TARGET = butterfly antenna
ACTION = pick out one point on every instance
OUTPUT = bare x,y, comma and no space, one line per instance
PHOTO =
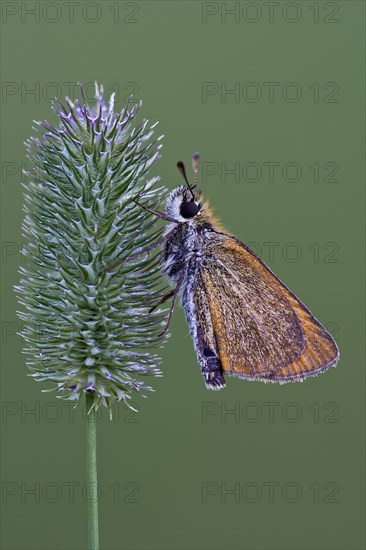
182,170
195,164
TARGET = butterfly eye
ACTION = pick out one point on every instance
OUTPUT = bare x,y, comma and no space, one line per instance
188,209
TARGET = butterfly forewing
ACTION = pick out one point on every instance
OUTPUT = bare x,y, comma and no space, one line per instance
259,328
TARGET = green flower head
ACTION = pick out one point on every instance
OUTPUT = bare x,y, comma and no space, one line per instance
88,328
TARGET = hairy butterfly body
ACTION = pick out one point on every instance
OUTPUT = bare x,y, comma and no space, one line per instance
243,320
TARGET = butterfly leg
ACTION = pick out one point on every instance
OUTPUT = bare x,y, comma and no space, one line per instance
157,243
145,250
161,240
157,214
173,293
170,314
163,299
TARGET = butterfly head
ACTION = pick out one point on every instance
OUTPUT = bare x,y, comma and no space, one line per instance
184,202
183,205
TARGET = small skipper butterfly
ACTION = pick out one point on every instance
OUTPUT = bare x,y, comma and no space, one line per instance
243,320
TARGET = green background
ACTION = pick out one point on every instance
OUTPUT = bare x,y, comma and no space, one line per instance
172,449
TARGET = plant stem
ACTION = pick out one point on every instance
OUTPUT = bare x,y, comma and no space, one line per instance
91,473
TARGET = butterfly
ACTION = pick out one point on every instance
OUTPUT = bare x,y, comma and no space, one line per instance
243,320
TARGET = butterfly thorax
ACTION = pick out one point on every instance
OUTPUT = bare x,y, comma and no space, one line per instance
185,244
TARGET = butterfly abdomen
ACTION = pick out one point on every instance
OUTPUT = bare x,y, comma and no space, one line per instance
184,253
201,330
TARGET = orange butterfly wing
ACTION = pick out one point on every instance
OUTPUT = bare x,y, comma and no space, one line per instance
262,331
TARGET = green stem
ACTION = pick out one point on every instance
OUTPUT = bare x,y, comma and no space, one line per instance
91,473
